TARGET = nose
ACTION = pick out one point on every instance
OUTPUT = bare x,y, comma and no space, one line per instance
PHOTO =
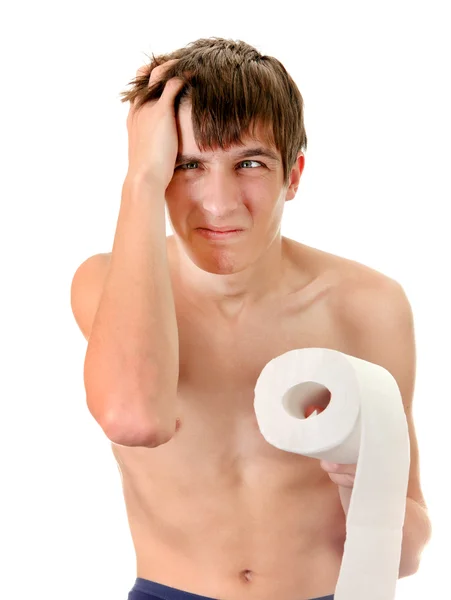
219,194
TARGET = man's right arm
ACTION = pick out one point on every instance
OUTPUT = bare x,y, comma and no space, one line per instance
132,360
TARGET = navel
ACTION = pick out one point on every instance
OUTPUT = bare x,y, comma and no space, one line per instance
246,575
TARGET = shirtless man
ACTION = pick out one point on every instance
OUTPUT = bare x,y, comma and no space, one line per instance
178,331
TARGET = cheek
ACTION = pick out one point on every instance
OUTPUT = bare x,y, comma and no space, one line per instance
178,193
259,191
183,188
174,185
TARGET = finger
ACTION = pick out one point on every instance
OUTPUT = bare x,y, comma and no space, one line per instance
339,468
343,480
330,467
159,71
144,70
172,88
309,410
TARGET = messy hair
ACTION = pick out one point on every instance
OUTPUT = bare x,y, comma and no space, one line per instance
232,89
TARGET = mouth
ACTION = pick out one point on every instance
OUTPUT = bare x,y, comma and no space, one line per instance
221,229
221,234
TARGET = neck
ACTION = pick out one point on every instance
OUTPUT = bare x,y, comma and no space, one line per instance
227,288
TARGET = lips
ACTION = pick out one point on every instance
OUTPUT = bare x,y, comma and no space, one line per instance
221,230
219,235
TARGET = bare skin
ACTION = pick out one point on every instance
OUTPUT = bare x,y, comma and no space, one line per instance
218,511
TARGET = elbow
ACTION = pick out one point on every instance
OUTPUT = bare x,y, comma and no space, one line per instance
127,425
407,570
136,435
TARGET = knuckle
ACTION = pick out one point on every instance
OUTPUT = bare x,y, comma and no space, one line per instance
156,71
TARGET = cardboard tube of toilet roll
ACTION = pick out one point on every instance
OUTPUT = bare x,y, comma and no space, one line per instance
364,424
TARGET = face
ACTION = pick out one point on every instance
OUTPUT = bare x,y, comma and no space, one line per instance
223,190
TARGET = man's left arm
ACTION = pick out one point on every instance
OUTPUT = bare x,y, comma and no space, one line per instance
378,326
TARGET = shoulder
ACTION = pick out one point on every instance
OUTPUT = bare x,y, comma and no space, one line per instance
368,298
353,287
374,317
364,304
86,290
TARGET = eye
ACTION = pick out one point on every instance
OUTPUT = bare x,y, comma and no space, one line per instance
181,166
250,161
185,165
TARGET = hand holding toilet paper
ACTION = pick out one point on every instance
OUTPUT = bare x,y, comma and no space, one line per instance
363,424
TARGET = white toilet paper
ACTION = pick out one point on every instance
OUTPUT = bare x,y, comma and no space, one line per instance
363,424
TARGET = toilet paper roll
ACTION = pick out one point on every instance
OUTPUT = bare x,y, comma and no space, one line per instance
364,424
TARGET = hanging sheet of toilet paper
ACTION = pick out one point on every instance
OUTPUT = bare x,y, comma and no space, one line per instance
364,424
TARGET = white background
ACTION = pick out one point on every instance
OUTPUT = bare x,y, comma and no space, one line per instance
375,80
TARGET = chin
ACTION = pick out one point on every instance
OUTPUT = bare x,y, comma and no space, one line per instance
220,259
217,261
220,265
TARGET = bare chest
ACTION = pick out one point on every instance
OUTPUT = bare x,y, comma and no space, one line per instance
218,473
221,364
218,371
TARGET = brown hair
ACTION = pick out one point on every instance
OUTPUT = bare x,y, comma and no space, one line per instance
232,89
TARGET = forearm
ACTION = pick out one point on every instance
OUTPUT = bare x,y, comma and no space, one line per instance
131,365
416,532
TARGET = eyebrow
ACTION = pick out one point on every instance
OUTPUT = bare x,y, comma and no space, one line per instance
259,151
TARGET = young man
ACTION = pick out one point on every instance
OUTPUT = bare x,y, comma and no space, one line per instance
180,328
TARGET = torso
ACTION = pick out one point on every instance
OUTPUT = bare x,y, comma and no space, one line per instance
218,511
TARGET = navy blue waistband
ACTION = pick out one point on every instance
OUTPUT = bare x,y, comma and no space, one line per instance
161,592
144,589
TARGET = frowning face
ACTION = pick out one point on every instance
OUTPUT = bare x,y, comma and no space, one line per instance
241,188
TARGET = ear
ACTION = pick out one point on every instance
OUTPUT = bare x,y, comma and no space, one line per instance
295,176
